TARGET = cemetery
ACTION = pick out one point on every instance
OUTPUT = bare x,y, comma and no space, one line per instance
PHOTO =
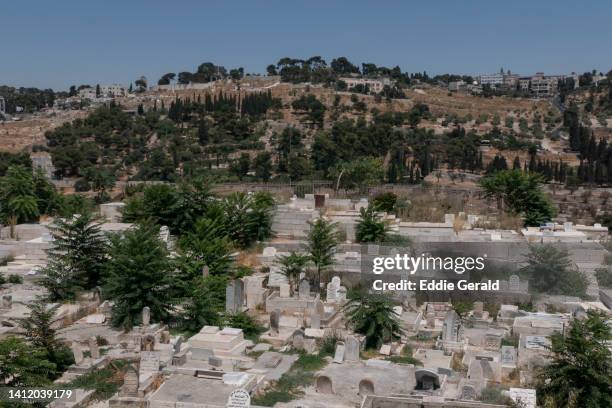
442,356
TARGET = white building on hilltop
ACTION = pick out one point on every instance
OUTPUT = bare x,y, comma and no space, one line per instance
113,91
374,85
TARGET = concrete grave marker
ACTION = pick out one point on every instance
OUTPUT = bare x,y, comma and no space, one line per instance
7,302
385,350
339,354
274,322
77,352
304,290
149,363
352,347
285,290
146,316
94,350
239,398
514,283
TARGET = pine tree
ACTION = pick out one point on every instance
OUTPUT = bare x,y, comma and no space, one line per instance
139,274
77,258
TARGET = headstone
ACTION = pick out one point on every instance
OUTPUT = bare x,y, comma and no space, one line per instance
352,348
274,322
385,350
7,302
269,252
508,356
285,290
341,294
205,271
298,341
339,354
164,338
310,345
177,344
304,289
94,350
77,352
234,296
146,316
514,283
239,398
452,328
164,233
319,308
315,321
492,341
478,309
149,363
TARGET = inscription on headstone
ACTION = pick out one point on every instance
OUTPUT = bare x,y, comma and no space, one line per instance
239,398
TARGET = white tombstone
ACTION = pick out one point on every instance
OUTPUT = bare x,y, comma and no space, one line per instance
269,252
385,350
77,352
285,290
514,283
239,398
149,363
146,316
339,354
94,350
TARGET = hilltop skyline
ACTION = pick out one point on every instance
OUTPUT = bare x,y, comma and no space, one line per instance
116,42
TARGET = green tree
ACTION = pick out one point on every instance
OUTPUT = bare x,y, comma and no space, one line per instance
18,202
358,174
250,327
248,218
23,365
321,245
207,245
551,270
520,194
580,372
204,304
138,274
385,202
241,166
371,227
77,258
38,329
373,316
263,166
292,266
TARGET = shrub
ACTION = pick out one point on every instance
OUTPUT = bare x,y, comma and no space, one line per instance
16,279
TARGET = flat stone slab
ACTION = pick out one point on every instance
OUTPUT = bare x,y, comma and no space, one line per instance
260,347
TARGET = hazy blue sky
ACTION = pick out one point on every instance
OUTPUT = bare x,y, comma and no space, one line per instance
59,43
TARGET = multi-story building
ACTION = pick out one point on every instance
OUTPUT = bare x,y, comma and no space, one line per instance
87,93
374,85
113,91
2,106
492,80
544,86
